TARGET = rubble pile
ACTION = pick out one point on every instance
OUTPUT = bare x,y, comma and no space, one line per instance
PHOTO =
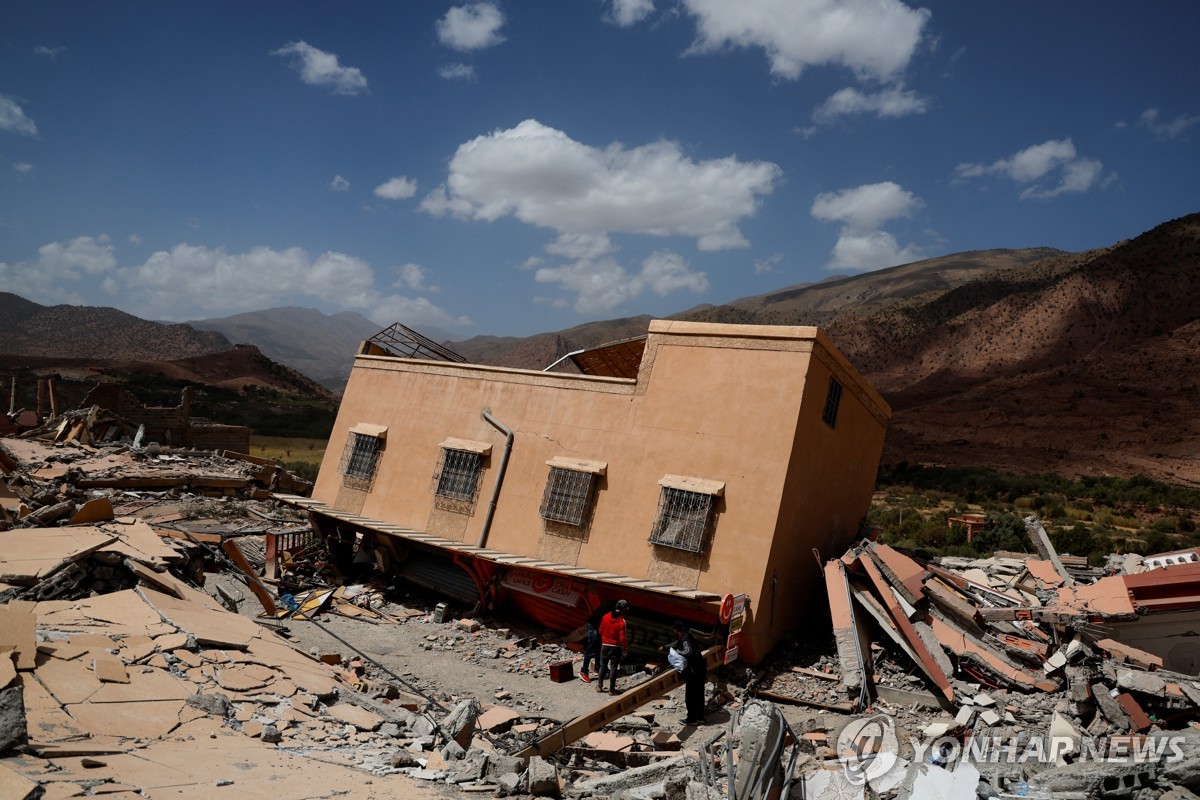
1022,656
49,482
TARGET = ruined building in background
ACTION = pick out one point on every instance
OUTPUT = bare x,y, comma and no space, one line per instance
699,462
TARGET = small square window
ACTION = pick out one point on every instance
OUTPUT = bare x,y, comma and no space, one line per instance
684,519
568,496
361,457
833,399
457,475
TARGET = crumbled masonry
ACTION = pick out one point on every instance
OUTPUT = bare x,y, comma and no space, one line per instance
136,660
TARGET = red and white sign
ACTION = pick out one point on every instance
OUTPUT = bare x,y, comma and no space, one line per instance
541,584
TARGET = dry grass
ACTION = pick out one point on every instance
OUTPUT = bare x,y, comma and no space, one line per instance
287,448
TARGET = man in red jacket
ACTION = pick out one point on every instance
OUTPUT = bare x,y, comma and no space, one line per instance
613,645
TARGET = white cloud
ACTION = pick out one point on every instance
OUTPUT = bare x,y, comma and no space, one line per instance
413,277
894,101
400,188
630,12
339,184
765,266
860,252
134,238
862,244
874,38
13,119
318,68
600,285
580,245
471,27
1055,159
23,167
542,177
866,207
457,72
191,279
50,52
1166,130
62,270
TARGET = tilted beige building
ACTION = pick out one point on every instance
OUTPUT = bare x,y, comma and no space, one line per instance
734,453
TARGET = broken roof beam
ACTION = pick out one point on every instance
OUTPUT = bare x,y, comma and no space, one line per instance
1041,543
966,586
939,678
846,634
969,648
905,574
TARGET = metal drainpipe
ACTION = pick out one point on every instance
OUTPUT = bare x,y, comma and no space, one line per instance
508,442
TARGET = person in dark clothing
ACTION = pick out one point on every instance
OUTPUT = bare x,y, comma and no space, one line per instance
688,660
591,651
613,645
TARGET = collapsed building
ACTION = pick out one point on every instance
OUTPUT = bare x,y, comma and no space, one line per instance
701,462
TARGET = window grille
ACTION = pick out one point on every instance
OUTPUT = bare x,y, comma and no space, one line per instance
568,496
360,457
683,520
457,476
833,399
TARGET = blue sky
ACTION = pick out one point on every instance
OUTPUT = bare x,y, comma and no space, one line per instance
508,168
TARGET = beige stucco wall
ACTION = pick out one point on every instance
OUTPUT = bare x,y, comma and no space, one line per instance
719,402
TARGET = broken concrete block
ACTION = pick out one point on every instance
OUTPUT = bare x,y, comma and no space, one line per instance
509,784
964,716
214,703
541,778
460,722
931,782
13,731
498,765
468,625
761,726
989,717
1055,662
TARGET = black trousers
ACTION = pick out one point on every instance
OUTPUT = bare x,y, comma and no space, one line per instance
693,692
610,660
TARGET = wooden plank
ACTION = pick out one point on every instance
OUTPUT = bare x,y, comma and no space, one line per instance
230,546
624,703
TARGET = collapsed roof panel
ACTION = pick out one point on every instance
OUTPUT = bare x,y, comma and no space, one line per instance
403,342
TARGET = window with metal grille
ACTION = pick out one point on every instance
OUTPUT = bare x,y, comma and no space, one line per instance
684,519
568,496
361,456
457,476
833,399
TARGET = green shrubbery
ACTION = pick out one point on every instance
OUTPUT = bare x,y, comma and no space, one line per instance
1086,517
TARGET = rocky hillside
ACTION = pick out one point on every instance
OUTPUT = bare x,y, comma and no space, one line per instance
29,329
322,346
1082,364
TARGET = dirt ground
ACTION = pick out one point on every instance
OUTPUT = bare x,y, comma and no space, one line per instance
460,664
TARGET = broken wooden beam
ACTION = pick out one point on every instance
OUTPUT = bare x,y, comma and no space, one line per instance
630,700
231,549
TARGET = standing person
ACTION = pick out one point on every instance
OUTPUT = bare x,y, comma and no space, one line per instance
613,645
591,652
694,671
